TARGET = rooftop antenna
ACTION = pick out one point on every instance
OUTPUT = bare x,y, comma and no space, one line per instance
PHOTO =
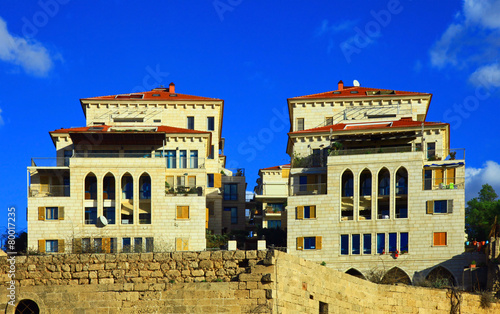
355,83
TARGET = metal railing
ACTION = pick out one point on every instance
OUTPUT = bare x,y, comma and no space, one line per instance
309,161
39,190
50,162
445,154
455,183
378,150
185,190
308,189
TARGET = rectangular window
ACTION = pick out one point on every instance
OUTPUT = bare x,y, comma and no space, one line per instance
170,156
181,181
67,155
393,242
356,245
274,224
380,243
97,245
302,183
309,243
431,150
300,124
439,207
306,212
211,156
90,215
210,124
193,159
51,213
169,184
86,248
181,244
210,180
182,212
367,243
150,245
51,246
234,215
109,213
230,192
344,244
182,159
403,242
440,238
427,179
190,123
328,120
126,245
138,245
192,181
127,153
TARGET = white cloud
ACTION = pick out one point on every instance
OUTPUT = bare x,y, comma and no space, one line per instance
471,42
31,55
487,76
1,118
483,12
476,177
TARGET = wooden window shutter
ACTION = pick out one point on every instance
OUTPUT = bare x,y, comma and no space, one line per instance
170,181
430,207
185,244
450,206
207,217
61,213
217,180
423,179
450,176
185,212
77,245
440,238
106,245
60,246
178,214
312,211
178,244
444,239
41,246
438,176
300,243
191,181
300,212
285,173
436,238
41,213
319,243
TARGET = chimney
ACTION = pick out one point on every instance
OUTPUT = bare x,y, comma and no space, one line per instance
171,88
341,85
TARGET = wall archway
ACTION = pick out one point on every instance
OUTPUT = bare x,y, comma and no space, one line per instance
27,306
442,275
396,275
356,273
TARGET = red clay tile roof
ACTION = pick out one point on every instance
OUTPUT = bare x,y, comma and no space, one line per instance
361,92
403,123
277,167
162,94
159,129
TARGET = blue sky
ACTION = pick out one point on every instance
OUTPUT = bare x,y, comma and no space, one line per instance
254,55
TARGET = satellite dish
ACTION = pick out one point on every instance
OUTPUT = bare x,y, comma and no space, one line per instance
103,220
355,83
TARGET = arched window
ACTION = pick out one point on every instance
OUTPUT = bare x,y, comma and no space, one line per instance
145,199
347,193
441,275
91,187
108,196
384,190
401,189
127,187
27,306
127,202
365,193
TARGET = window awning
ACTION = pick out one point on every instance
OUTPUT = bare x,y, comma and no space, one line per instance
450,165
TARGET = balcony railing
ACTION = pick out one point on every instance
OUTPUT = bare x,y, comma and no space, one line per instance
309,161
184,190
456,183
234,172
38,190
50,162
379,150
445,154
308,189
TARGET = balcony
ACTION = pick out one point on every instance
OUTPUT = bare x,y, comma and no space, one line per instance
308,189
456,183
234,172
310,161
379,150
49,162
183,190
40,190
437,155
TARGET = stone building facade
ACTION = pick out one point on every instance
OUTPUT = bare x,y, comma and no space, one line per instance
147,171
374,187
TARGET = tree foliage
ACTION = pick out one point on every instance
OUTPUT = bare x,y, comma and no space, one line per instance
480,213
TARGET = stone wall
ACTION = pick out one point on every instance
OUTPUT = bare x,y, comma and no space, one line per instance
236,281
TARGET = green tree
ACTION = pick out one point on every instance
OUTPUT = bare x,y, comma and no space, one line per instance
480,213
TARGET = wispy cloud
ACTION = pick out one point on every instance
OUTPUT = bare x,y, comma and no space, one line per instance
331,32
29,54
471,42
1,118
487,76
476,177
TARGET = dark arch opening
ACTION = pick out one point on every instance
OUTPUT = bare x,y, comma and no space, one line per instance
27,306
441,276
355,273
396,275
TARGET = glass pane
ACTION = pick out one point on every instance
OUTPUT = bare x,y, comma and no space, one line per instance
393,242
403,241
344,244
356,244
367,244
380,243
